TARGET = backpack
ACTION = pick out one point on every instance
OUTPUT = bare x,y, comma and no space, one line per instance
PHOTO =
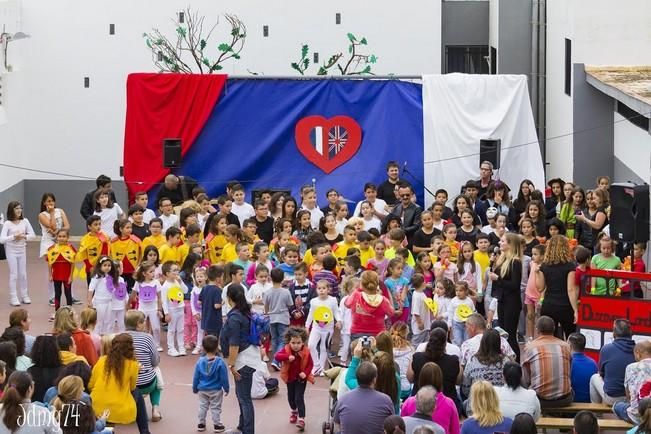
260,325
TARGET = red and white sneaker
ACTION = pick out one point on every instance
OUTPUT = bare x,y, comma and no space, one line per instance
300,424
293,417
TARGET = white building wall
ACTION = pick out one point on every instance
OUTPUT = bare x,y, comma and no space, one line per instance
559,153
632,147
55,124
494,29
603,32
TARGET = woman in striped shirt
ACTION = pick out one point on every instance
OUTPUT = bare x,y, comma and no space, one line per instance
146,354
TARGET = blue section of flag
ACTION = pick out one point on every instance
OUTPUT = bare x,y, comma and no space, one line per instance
250,135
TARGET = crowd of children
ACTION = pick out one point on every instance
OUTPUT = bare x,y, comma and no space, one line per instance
176,269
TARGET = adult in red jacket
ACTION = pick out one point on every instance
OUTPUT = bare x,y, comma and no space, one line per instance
368,307
66,322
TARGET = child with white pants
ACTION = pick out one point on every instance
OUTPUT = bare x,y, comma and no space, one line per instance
119,299
346,319
148,290
323,317
16,231
200,279
172,291
99,295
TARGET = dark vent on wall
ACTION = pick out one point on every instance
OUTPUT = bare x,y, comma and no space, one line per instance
265,31
632,116
337,18
111,29
568,67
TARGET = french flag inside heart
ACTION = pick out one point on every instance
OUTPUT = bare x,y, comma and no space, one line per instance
328,143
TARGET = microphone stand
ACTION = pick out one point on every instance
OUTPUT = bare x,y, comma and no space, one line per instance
418,180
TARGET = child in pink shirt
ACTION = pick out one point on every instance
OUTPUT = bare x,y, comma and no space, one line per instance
531,293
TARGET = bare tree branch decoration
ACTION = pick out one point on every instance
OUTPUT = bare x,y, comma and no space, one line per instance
187,51
354,64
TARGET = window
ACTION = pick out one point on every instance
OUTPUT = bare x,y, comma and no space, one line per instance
568,67
466,59
632,116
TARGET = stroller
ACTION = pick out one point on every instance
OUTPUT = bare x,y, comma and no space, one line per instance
334,374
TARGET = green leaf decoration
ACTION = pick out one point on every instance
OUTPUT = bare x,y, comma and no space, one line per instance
236,56
351,37
363,41
216,67
295,66
372,58
235,31
322,71
145,35
366,70
181,31
350,48
205,61
202,44
148,43
224,47
306,63
304,51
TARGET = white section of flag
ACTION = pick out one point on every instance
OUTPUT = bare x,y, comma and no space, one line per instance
318,139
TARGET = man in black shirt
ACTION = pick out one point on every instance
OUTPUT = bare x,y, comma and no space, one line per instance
103,184
263,223
386,191
485,178
177,189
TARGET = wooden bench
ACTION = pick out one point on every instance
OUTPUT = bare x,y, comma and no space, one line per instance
546,423
575,407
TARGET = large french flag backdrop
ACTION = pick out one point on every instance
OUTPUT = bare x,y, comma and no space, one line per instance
338,133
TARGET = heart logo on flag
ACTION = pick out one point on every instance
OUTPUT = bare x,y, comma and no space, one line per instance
328,143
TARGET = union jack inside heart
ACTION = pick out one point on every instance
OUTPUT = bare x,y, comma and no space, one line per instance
331,144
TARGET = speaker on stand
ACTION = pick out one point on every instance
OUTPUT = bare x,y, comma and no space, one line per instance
629,212
172,153
490,150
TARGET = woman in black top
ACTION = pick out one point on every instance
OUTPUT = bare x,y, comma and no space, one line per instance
599,219
555,281
47,365
506,275
243,357
524,197
462,202
435,352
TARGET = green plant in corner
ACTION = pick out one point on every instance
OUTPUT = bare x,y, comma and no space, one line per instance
302,65
354,64
188,51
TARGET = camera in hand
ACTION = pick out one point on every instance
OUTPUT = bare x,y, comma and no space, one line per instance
366,341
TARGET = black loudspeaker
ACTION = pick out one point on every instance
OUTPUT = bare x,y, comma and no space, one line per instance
255,193
629,212
171,153
490,150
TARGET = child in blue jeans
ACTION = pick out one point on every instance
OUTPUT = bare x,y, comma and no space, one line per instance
277,302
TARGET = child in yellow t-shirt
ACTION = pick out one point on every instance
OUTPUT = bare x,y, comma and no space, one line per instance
366,252
170,250
215,241
157,238
341,249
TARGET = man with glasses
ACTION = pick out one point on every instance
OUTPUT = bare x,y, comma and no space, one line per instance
485,177
407,211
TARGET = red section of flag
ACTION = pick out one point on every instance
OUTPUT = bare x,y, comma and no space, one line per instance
163,106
